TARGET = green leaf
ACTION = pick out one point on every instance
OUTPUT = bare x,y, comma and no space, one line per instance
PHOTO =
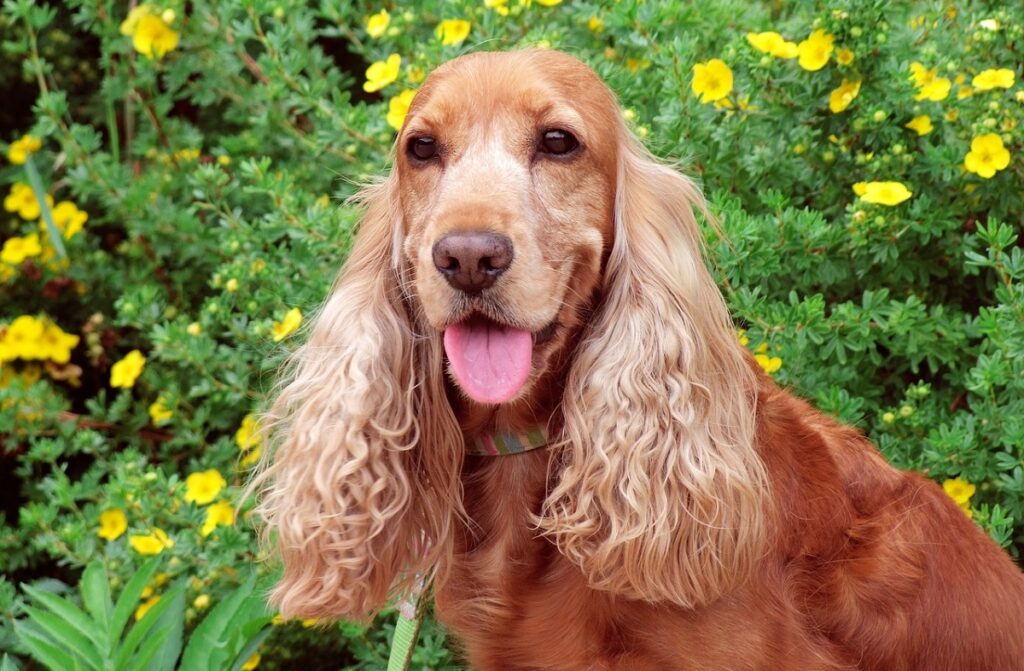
67,636
250,647
170,627
40,193
171,598
70,613
130,596
96,592
208,646
6,664
141,660
40,647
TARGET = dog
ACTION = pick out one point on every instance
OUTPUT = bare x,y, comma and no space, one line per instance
529,276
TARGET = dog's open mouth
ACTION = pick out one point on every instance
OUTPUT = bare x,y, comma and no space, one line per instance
491,361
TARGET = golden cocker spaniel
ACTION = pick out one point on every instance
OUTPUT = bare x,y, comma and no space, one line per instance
528,275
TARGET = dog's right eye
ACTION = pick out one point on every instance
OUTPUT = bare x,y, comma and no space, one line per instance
423,148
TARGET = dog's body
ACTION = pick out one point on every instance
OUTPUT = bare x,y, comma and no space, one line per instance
527,265
868,568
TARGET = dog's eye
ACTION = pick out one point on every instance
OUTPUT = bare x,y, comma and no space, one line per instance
423,148
558,142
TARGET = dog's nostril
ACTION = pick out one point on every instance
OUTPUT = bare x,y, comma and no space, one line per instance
472,261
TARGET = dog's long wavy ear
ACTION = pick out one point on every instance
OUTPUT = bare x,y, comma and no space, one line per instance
359,493
661,489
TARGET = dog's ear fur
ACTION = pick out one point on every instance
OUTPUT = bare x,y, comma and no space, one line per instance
353,510
661,489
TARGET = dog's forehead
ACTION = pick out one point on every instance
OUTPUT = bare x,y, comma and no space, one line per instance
534,83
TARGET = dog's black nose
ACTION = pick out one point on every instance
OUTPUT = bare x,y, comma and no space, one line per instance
472,260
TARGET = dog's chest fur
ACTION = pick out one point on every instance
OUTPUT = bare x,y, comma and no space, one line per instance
509,588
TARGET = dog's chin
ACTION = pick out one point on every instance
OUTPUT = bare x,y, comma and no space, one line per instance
494,363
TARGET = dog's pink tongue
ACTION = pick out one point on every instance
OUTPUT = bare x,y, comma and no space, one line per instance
490,362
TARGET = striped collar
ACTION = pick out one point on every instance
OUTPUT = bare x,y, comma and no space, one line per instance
507,442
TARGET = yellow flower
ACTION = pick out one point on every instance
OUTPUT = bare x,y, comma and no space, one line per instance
382,73
711,80
774,44
250,458
398,107
993,79
55,344
252,662
287,326
882,193
22,200
959,490
216,515
151,544
929,85
16,250
132,20
204,486
247,436
987,156
201,602
844,56
741,335
635,65
815,51
67,218
549,3
378,23
952,115
21,339
500,6
144,607
922,124
595,24
194,329
989,24
113,523
452,32
21,148
843,95
770,364
124,373
159,412
153,37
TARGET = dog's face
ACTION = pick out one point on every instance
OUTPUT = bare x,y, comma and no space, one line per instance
506,180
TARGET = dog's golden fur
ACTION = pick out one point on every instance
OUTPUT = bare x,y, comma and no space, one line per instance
687,514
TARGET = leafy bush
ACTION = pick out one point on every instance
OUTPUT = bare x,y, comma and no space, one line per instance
862,156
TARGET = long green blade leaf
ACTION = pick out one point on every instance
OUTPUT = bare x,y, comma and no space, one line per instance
209,636
42,648
129,598
135,635
40,193
67,637
250,647
70,613
96,593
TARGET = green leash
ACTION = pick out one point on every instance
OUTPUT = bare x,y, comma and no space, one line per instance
407,630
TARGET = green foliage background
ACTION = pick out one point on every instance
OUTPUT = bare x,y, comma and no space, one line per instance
215,181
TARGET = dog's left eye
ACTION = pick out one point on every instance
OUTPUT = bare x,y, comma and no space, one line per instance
558,142
423,148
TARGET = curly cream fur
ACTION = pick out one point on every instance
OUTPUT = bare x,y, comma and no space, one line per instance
360,493
661,490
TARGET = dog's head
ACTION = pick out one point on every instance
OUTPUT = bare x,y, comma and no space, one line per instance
525,257
506,171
